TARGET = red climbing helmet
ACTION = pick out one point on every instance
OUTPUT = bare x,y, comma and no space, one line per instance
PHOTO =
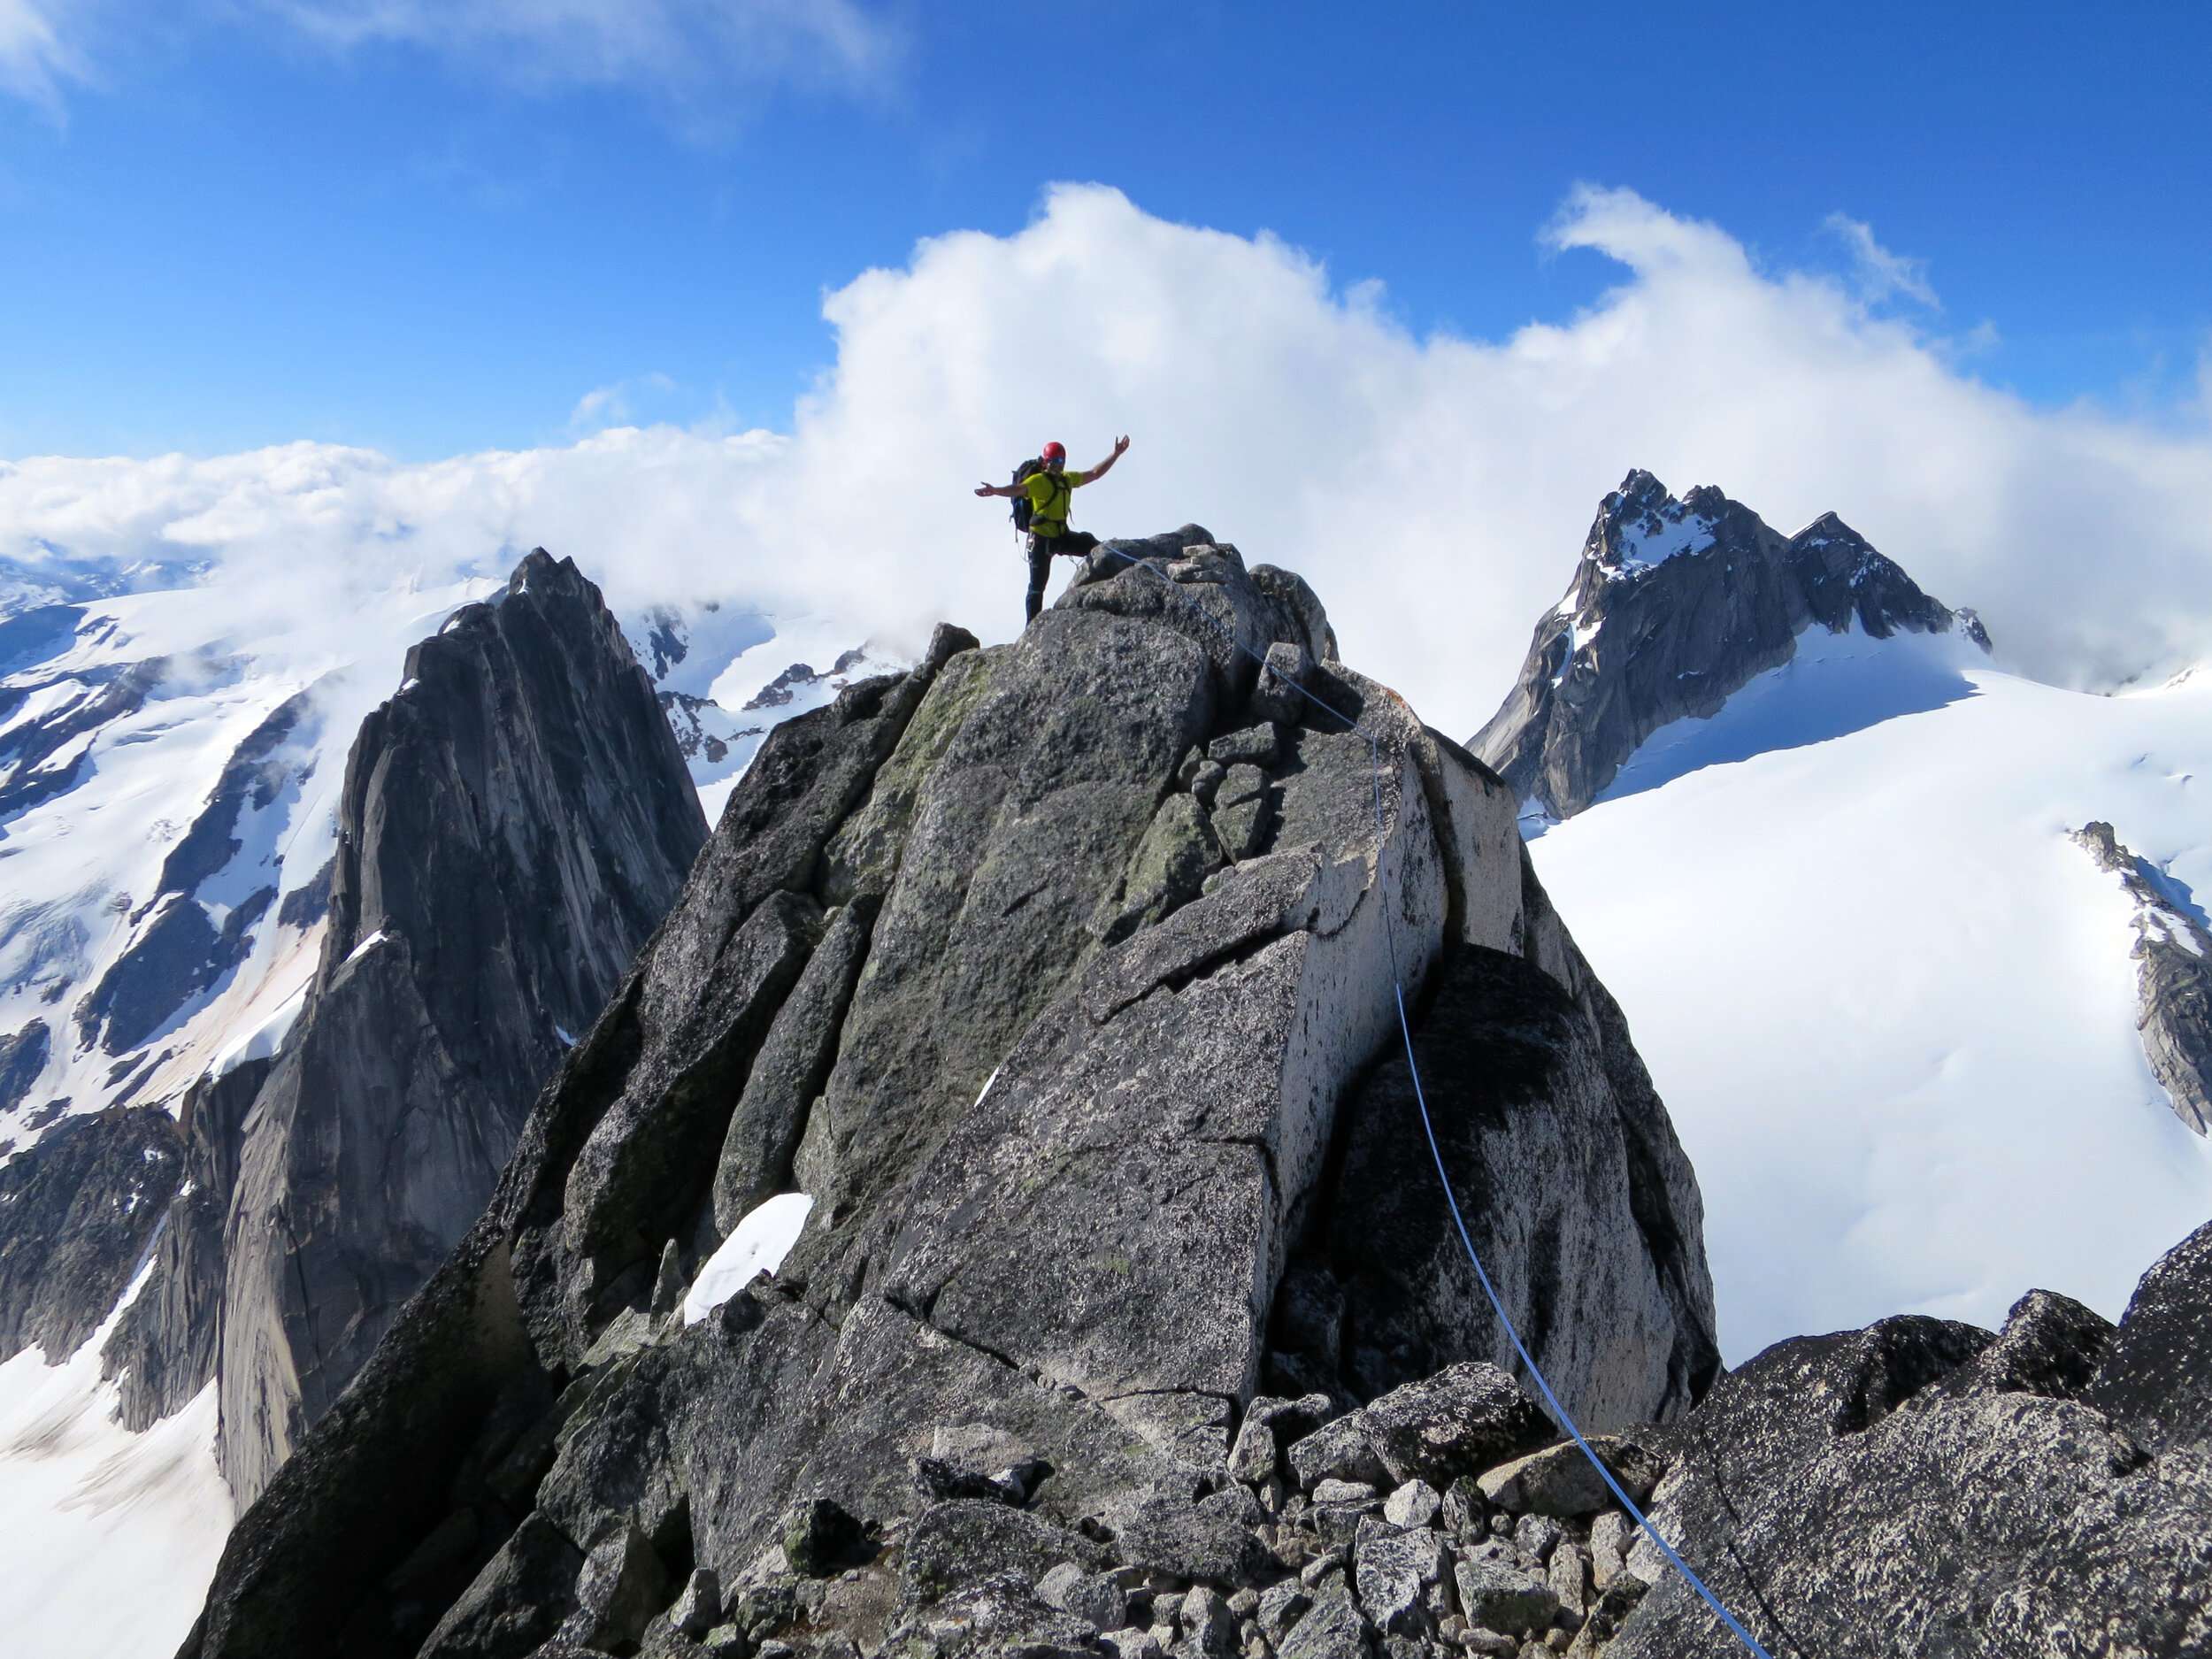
1054,452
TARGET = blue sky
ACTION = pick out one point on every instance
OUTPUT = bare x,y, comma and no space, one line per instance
231,224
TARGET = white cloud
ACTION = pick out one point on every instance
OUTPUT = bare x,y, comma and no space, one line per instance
683,45
36,62
611,404
1879,272
693,53
1434,489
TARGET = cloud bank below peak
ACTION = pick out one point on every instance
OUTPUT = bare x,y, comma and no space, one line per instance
1432,487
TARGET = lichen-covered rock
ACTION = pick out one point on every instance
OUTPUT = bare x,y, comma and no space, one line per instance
623,1584
1415,1503
1243,812
1260,745
1435,1429
1560,1480
1502,1598
1393,1570
1569,1577
1621,1597
1536,1536
817,1534
1169,868
1452,1424
515,1602
1341,1451
762,1143
998,1616
698,1605
1276,695
1332,1628
1610,1536
1058,1175
1813,1471
1210,1630
2154,1377
1089,1595
1191,1541
1549,1127
2049,1345
963,1542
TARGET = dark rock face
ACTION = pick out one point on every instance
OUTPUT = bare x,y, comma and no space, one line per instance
2173,952
23,1055
164,1351
28,751
1922,1487
514,823
81,1206
1528,1086
1066,1115
2155,1378
1676,604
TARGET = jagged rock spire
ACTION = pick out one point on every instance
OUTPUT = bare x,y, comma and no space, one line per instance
515,821
1675,606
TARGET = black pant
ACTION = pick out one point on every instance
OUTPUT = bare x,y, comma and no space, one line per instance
1042,550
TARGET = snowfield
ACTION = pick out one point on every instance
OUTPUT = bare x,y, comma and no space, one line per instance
110,1537
1889,1004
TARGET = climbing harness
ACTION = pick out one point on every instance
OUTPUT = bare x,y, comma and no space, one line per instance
1451,1203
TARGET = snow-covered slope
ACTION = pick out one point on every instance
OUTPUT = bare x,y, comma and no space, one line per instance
111,1536
726,676
1889,1002
166,788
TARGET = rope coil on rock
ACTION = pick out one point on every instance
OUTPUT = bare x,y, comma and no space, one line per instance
1405,1030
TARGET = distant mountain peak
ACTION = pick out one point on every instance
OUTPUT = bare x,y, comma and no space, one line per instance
1829,525
1641,524
1677,603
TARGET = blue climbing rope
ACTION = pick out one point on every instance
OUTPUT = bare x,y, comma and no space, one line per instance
1428,1128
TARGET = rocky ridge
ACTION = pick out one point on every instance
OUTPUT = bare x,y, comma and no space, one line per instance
1919,1486
1925,1487
2173,954
1676,604
1057,975
514,822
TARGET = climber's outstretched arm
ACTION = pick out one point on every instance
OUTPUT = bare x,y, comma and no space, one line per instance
1121,446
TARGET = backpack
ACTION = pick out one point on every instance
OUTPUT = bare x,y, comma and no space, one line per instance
1027,469
1022,473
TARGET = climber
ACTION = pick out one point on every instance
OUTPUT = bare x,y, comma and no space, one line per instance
1048,488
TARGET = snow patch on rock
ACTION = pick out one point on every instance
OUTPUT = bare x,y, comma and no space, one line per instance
756,1246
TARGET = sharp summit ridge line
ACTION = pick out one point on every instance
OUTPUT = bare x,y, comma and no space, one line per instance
1413,1066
